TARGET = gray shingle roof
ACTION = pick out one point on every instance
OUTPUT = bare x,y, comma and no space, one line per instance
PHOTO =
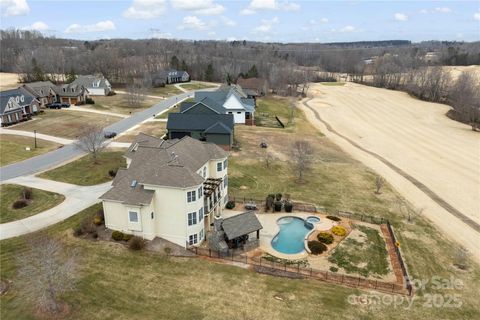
88,81
124,192
241,224
19,95
199,121
216,99
40,88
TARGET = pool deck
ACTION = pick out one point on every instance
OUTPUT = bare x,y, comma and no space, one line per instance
271,228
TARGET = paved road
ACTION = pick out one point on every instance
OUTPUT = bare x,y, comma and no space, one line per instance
68,152
77,198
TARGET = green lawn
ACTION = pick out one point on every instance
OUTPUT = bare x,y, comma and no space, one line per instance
65,123
41,200
197,86
85,172
115,283
12,148
365,254
269,107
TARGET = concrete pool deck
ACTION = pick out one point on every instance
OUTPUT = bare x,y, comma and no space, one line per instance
271,229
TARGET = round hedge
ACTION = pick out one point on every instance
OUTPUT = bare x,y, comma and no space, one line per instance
316,247
339,231
117,235
334,218
325,237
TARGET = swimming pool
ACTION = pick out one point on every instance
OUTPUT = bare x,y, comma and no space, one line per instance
290,238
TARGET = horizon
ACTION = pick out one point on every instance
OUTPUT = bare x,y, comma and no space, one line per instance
266,21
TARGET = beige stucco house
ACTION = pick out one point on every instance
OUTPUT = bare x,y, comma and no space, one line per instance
170,189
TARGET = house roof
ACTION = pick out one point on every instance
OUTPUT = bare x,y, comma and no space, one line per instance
170,73
216,99
70,90
207,102
169,164
216,123
88,81
20,96
256,84
241,224
39,88
145,140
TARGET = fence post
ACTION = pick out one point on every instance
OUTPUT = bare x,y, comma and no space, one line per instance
298,267
285,267
209,252
326,275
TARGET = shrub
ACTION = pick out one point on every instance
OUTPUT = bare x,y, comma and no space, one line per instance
288,206
127,237
95,235
19,204
278,206
136,243
100,214
333,269
27,193
230,204
325,237
112,172
334,218
87,225
77,232
97,221
89,100
117,235
339,231
316,247
278,196
111,93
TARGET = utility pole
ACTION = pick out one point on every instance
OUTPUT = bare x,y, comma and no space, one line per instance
35,137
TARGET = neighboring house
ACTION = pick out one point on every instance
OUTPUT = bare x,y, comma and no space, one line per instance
72,93
229,100
170,189
17,105
43,91
253,87
208,126
170,76
96,85
431,57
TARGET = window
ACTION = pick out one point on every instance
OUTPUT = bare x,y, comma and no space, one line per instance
219,166
200,235
204,172
191,196
192,239
192,218
239,112
225,181
151,215
200,214
225,164
200,192
229,112
133,216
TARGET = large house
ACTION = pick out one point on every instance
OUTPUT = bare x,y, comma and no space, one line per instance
208,126
17,105
170,76
43,91
72,93
253,87
171,189
96,85
228,99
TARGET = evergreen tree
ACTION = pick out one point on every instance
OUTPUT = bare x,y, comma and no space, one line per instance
70,76
228,78
252,73
37,72
184,66
209,73
175,63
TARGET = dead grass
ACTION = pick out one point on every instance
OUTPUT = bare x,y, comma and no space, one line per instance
8,81
63,123
153,128
118,104
12,148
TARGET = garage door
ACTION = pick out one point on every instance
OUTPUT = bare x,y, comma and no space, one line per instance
179,135
73,100
65,100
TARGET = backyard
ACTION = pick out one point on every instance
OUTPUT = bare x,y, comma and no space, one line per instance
118,104
197,85
65,123
85,172
13,148
36,202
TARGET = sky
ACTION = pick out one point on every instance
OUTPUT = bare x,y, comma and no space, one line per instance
256,20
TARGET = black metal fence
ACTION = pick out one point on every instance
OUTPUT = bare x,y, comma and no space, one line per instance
400,259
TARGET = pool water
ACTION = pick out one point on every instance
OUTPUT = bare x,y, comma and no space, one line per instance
291,236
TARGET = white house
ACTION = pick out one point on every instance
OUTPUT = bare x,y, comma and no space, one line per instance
170,189
96,85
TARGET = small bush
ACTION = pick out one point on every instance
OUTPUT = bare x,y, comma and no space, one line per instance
167,250
77,232
325,237
333,269
111,93
127,237
136,243
117,235
95,235
89,100
278,196
230,204
112,173
334,218
87,225
27,193
278,206
339,231
288,206
316,247
97,221
19,204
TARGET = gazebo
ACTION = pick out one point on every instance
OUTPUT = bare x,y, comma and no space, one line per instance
237,228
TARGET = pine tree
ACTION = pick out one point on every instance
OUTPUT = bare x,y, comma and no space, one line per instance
70,76
184,66
209,73
175,63
37,72
252,73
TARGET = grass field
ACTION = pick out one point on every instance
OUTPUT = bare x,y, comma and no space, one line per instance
174,109
8,81
118,104
41,200
85,172
197,86
12,148
63,123
153,128
167,91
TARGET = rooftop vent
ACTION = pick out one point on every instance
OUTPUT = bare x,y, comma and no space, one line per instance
133,184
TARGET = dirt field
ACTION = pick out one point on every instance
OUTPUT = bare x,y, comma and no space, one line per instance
415,137
8,81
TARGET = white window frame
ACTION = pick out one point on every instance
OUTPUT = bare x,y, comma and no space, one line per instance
192,218
200,214
200,192
191,196
225,181
193,239
130,216
225,164
219,165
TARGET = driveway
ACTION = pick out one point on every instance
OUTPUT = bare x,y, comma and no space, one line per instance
77,198
68,152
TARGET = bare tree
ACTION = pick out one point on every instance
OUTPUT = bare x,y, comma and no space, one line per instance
268,158
379,182
302,158
461,258
92,140
135,95
46,271
465,98
407,210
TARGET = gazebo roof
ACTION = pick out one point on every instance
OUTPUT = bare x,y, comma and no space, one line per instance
241,224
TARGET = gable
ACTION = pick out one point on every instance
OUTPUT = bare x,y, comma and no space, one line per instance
200,108
233,103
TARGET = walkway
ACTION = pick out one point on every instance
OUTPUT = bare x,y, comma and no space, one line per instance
77,198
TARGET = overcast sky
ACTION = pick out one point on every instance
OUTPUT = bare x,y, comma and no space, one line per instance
261,20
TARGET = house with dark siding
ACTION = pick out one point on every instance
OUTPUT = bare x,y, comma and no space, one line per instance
17,105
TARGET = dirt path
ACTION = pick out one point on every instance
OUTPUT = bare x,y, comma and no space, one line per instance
428,158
